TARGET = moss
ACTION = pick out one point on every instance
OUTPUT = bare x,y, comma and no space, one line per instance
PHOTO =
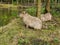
27,36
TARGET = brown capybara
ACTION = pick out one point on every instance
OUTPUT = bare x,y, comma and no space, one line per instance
46,17
31,21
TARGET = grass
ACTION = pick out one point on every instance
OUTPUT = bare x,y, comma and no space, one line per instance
15,33
6,16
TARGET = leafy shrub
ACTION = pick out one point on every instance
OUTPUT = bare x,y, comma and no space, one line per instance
42,10
31,11
55,13
6,17
22,41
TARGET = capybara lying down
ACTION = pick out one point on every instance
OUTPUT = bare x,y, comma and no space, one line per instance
31,21
46,17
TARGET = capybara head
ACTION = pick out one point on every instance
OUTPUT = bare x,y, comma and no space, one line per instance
22,14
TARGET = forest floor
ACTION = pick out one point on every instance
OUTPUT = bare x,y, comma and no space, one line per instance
15,33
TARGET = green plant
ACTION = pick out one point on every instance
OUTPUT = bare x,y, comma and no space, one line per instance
56,40
22,41
31,11
6,16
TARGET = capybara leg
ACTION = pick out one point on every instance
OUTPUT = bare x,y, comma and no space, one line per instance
26,26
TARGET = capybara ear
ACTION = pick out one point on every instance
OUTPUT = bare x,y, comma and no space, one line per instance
23,12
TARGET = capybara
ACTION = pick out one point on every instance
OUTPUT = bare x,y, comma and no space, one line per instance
46,17
31,21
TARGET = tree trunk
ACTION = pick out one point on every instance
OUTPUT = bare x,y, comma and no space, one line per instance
48,5
34,2
1,1
12,1
38,8
55,3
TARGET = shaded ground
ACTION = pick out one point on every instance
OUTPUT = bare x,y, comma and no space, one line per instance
15,33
